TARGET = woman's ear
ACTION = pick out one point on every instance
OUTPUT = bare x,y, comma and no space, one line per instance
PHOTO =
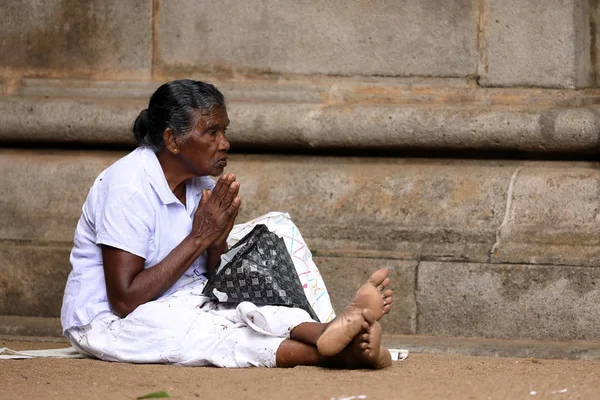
170,141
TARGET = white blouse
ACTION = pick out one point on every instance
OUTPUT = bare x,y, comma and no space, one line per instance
130,207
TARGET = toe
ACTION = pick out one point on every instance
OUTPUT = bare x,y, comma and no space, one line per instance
387,293
378,277
368,316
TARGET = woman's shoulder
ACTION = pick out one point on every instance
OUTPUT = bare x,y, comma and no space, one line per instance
129,170
125,178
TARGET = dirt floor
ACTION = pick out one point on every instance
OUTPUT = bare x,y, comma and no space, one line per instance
421,376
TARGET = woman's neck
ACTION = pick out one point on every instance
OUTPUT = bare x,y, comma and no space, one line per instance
174,173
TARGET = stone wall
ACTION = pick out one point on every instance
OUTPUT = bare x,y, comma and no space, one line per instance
502,43
477,246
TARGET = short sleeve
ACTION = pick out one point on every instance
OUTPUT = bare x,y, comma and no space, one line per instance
126,223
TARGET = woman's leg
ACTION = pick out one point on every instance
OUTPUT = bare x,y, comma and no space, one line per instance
308,332
342,329
364,351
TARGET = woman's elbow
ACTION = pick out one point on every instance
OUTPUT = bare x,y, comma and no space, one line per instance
121,308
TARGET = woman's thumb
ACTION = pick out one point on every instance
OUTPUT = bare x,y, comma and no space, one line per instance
205,196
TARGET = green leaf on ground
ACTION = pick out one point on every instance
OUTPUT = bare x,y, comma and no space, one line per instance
155,395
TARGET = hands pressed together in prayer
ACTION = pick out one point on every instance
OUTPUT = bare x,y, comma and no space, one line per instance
216,216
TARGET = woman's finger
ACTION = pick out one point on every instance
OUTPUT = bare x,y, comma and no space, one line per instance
233,191
205,196
222,187
234,207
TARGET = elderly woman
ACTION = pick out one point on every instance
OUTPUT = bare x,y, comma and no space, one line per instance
153,229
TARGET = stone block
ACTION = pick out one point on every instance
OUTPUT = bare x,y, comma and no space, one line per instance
32,279
508,301
91,118
595,36
67,121
534,43
439,127
343,276
552,208
111,38
400,208
42,192
407,37
47,327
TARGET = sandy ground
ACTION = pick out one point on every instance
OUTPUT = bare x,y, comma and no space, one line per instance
421,376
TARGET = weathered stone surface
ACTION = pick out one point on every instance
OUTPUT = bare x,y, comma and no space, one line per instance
489,347
343,276
415,126
274,126
408,37
508,301
32,279
403,208
366,207
41,192
47,327
358,214
533,43
595,33
67,121
68,37
557,209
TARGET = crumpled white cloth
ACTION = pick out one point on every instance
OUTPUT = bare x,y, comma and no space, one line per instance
68,352
187,328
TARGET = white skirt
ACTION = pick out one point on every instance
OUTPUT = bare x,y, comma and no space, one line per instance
186,328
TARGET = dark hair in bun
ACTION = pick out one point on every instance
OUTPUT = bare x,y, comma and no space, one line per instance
172,106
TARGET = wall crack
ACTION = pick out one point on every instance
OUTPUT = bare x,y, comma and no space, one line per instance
509,200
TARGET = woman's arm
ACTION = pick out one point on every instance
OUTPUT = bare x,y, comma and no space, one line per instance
129,285
213,256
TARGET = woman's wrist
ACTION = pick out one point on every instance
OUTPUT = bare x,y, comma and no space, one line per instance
218,246
200,245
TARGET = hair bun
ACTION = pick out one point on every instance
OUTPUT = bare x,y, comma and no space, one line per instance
141,126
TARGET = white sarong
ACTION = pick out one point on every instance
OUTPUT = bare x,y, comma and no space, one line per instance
186,328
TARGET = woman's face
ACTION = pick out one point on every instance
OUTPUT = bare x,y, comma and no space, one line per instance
205,150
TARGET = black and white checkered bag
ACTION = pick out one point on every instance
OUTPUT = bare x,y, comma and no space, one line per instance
258,269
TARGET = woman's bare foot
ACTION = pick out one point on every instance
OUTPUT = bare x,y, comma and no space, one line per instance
343,329
366,350
372,301
374,295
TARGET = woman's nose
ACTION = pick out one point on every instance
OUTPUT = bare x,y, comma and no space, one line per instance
224,145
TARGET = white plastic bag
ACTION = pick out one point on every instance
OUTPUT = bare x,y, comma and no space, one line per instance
314,287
